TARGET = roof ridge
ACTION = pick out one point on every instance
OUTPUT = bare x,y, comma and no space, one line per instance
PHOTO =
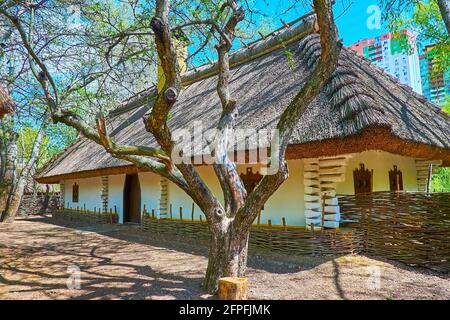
277,39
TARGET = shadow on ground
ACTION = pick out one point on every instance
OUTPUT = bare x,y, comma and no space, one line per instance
39,256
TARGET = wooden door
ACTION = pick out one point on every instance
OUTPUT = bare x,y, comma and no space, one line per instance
132,199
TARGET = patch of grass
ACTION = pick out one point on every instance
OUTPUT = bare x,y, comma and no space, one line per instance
361,261
290,58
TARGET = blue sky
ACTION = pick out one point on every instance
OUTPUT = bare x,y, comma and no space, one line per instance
351,16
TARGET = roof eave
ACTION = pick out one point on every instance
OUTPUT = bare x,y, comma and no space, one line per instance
372,138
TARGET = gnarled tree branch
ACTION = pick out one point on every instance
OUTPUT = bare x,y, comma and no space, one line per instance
330,49
226,171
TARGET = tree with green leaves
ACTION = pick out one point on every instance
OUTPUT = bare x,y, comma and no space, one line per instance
430,20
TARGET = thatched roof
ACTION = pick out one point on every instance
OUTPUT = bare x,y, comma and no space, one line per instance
6,104
361,108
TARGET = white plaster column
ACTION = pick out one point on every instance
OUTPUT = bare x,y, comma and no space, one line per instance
164,198
313,207
105,194
331,171
321,176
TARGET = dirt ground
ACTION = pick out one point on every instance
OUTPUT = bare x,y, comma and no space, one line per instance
39,259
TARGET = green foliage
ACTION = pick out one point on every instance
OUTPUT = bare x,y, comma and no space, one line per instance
58,137
441,180
25,143
446,105
424,18
290,58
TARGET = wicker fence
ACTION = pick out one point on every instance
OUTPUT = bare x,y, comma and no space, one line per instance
290,240
86,216
413,228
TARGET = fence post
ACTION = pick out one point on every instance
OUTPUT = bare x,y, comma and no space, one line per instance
430,175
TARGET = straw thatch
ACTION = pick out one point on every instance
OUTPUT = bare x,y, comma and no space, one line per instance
361,108
6,104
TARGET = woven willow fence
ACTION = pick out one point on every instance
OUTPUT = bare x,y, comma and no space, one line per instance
86,216
413,228
292,241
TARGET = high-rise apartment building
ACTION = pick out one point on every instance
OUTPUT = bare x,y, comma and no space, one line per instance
396,54
435,82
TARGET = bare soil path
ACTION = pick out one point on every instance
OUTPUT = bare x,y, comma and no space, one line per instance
121,262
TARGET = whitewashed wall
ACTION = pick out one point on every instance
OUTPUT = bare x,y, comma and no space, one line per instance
179,199
90,191
381,162
288,199
150,191
286,202
115,197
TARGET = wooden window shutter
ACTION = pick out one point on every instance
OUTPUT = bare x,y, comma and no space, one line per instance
250,179
75,193
395,180
363,180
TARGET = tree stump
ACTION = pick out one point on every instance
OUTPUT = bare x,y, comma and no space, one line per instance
233,288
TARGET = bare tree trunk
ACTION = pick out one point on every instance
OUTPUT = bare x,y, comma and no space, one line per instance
9,175
444,8
14,197
227,256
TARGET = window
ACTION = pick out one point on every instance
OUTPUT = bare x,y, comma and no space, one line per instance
363,179
75,193
395,180
250,179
